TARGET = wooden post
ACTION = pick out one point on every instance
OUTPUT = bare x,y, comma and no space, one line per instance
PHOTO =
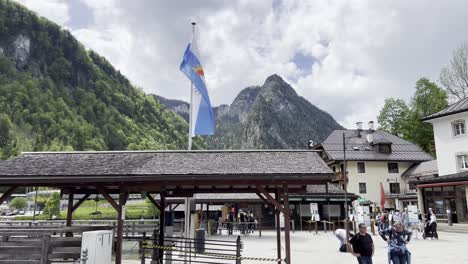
278,228
287,224
238,250
70,213
120,223
162,217
45,249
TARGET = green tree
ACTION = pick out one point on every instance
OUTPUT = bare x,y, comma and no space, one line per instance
405,121
19,203
52,206
152,210
428,99
393,116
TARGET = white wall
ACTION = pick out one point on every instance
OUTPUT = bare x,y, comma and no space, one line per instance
376,173
447,145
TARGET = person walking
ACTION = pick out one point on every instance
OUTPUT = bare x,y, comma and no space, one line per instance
230,223
378,221
396,216
340,233
384,220
397,238
405,218
430,229
361,245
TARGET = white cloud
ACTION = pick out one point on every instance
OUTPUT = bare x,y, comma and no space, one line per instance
366,50
55,10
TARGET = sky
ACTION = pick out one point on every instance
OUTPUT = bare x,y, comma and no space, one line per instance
345,57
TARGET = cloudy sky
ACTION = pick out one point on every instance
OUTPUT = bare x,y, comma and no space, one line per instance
346,57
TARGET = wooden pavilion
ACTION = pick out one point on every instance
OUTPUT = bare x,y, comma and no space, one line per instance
169,173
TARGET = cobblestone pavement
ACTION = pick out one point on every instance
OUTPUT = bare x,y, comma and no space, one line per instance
322,248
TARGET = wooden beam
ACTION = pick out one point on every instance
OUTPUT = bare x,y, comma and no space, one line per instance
8,193
70,208
153,201
266,201
172,209
271,199
287,224
120,222
278,227
80,201
106,195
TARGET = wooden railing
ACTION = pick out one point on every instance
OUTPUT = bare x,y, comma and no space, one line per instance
131,229
41,245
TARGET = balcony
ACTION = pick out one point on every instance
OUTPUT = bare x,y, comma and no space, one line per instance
340,177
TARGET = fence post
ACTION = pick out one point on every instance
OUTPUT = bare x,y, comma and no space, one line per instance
238,250
45,249
154,257
142,248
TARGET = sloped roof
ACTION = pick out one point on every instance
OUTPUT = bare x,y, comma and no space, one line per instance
358,147
172,165
458,107
456,177
427,168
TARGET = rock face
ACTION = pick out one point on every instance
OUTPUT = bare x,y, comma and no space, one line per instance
271,116
20,49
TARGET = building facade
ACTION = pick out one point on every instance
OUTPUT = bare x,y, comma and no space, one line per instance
374,158
447,194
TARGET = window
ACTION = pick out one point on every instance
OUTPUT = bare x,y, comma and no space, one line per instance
395,187
462,161
385,148
361,167
334,169
458,128
392,167
362,187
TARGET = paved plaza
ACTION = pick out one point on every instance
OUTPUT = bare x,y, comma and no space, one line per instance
310,248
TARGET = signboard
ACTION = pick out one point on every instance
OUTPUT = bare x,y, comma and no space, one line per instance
314,212
363,215
413,214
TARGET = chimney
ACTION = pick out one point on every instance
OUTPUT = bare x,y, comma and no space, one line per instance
371,125
359,126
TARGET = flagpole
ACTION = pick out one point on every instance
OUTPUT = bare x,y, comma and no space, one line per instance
345,189
191,99
188,219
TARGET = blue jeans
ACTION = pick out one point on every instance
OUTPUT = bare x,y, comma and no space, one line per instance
399,259
364,260
340,239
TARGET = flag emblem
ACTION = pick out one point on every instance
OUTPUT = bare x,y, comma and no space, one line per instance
199,70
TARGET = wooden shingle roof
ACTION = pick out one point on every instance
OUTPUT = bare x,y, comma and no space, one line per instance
128,166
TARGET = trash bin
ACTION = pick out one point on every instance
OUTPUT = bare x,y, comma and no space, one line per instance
200,240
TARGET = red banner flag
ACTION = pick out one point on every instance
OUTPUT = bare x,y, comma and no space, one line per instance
382,197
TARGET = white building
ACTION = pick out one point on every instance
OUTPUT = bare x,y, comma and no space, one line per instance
374,158
451,138
448,193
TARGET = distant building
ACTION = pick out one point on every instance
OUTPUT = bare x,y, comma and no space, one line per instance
373,157
447,194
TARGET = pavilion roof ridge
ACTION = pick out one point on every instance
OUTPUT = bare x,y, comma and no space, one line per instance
164,151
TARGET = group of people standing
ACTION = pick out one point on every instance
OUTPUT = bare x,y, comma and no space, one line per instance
385,219
246,222
397,235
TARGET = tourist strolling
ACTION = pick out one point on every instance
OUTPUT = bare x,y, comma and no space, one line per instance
397,238
430,229
230,222
406,220
362,246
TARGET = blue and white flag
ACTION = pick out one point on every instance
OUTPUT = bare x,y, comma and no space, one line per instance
201,113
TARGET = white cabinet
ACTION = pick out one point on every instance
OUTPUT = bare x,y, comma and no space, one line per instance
98,245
